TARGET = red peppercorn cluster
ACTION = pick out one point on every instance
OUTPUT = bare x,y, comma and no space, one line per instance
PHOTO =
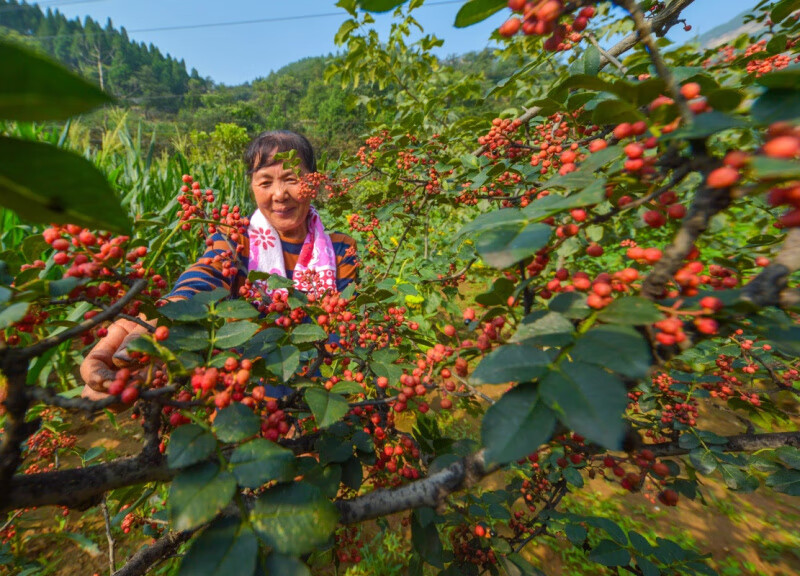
472,546
541,17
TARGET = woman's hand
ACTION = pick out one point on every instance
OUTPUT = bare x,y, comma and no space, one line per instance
100,366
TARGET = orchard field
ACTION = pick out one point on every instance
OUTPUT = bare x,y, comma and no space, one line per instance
572,348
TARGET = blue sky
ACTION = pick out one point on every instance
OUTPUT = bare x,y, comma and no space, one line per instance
239,53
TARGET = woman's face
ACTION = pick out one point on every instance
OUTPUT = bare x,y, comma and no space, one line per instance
276,189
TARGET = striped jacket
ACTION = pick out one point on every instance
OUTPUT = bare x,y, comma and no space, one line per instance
206,274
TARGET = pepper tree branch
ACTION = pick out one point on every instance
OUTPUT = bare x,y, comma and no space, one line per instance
643,29
707,202
766,288
111,312
737,443
141,562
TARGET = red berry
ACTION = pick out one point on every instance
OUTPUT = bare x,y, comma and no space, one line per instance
690,90
161,333
722,177
509,27
130,394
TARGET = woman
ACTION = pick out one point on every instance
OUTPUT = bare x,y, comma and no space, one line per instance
285,237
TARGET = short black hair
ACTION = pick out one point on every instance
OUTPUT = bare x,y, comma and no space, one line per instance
261,151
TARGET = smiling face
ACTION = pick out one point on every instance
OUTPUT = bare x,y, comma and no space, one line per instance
276,189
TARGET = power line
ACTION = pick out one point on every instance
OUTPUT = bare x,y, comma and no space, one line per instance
52,3
225,24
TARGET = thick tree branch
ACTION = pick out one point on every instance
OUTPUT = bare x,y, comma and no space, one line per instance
141,562
766,288
738,443
429,491
707,202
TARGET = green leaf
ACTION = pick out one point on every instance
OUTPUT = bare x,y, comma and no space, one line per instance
379,5
185,310
260,461
618,348
294,518
511,363
344,31
571,305
513,565
236,310
308,333
543,328
776,105
236,423
508,243
608,553
647,567
724,99
632,310
591,61
516,425
34,88
283,362
786,481
589,400
705,125
789,455
476,11
572,476
613,111
227,547
82,195
703,460
783,9
766,168
262,343
788,78
283,565
233,334
186,338
13,313
189,444
198,494
426,541
326,407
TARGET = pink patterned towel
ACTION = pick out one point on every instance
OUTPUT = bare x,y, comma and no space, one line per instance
316,268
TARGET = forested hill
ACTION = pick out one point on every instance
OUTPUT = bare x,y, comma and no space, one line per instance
157,90
134,72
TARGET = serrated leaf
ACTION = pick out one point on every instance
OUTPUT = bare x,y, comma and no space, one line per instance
786,481
283,565
783,9
235,423
236,310
308,333
326,407
189,444
226,548
588,400
618,348
283,362
511,363
81,197
516,425
233,334
185,310
632,310
426,541
294,519
260,461
543,328
198,494
609,553
344,31
703,460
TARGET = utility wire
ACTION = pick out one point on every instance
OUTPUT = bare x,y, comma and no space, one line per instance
223,24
